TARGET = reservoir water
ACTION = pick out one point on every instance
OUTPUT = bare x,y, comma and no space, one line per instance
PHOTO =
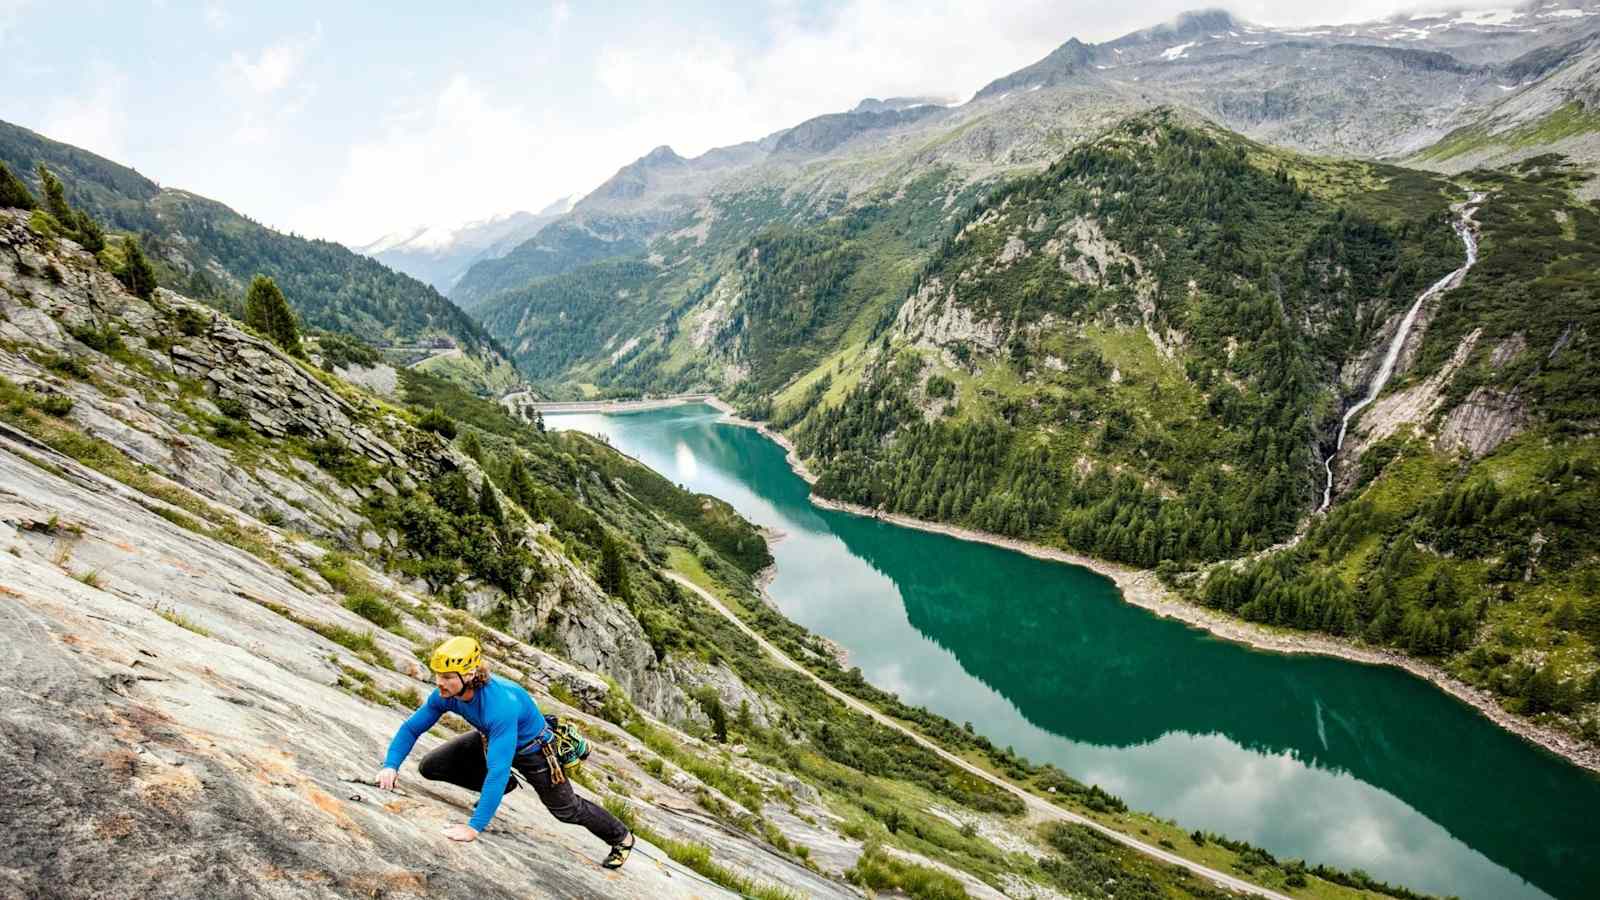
1331,761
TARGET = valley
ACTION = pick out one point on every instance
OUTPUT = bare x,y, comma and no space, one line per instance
1166,470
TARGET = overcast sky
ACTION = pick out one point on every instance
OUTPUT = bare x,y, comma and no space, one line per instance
349,121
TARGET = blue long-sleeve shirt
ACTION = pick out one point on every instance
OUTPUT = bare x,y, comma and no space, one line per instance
500,709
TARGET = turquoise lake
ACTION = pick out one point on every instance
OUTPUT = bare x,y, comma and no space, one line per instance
1351,765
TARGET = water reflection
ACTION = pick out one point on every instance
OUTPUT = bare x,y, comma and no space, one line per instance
1353,765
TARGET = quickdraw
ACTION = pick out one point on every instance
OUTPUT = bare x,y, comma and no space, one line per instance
557,775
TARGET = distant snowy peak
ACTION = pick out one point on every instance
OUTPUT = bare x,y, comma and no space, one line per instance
439,254
389,241
476,235
1475,36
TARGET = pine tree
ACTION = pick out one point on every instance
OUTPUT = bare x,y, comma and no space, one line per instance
489,505
453,494
1541,691
719,720
136,274
13,193
55,197
521,488
613,570
267,311
90,235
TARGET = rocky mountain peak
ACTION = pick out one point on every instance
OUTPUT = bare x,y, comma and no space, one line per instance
873,104
825,133
1062,65
660,156
1204,21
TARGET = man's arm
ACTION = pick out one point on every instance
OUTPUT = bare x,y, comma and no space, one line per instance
502,748
412,728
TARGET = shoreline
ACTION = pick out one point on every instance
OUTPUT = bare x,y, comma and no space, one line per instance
792,454
1141,588
610,407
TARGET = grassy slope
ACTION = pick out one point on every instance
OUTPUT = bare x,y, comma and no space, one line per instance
1567,121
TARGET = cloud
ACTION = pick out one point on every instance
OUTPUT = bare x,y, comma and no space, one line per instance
701,89
10,12
215,16
275,66
96,119
473,145
445,157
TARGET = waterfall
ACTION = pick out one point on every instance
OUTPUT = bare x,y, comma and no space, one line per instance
1463,227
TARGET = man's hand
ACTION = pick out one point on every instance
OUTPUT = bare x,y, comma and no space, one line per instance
463,833
386,779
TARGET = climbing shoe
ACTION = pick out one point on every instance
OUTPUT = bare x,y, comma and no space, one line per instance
619,853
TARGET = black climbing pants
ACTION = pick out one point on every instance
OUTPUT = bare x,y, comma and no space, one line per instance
460,761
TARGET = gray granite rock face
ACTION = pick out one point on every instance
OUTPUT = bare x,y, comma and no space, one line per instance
182,739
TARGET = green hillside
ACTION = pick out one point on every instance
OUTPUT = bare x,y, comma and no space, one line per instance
204,249
1137,346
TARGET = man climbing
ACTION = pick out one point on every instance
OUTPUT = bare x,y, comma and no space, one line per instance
510,731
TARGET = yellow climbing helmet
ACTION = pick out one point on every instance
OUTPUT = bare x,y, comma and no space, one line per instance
460,654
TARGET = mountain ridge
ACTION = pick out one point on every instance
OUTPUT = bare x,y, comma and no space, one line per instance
1382,89
209,250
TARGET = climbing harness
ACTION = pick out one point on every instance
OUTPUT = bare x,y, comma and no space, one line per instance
560,743
570,746
563,749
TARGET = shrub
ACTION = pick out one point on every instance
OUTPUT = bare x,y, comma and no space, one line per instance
63,364
192,322
104,339
89,233
52,404
881,872
374,610
44,225
436,421
13,193
230,429
233,408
